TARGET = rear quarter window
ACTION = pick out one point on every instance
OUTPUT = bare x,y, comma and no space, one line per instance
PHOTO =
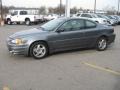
23,12
90,24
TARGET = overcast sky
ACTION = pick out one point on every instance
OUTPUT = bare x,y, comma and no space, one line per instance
87,4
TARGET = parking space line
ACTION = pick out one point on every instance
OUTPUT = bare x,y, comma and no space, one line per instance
102,68
6,88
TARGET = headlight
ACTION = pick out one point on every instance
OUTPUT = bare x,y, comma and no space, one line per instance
19,41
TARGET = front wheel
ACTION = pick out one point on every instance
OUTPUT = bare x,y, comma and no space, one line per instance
39,50
101,44
9,22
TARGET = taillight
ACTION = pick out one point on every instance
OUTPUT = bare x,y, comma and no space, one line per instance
34,17
112,31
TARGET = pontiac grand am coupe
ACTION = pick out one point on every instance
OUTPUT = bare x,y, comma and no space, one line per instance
59,35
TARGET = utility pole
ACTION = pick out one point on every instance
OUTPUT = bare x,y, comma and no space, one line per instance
118,6
60,7
95,7
67,8
1,9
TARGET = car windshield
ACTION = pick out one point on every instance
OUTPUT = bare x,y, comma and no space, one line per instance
100,16
51,25
110,17
95,16
106,17
116,17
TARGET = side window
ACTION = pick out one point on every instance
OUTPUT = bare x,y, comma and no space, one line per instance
86,15
23,12
78,14
73,25
15,13
66,26
77,24
90,24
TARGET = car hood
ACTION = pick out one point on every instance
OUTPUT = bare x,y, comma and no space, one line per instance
99,19
8,16
29,32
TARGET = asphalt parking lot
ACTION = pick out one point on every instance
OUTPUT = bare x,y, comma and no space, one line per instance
71,70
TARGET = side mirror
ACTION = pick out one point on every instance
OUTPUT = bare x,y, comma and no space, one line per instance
60,30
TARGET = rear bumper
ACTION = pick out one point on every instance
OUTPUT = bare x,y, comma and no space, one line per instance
111,38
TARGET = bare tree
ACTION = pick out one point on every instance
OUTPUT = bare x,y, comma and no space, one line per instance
42,10
74,10
110,10
51,10
57,10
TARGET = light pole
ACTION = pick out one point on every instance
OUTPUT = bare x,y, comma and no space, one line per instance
118,6
1,9
95,7
67,8
60,7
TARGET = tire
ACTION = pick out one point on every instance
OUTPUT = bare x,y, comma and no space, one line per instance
27,22
39,50
96,21
101,44
9,22
35,23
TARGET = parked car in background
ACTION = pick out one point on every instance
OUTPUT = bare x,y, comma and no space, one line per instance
59,35
112,18
110,21
50,17
117,18
22,16
93,17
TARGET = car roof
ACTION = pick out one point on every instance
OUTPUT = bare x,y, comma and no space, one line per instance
71,18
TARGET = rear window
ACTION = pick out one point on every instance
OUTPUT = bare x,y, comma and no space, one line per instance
23,12
90,24
86,15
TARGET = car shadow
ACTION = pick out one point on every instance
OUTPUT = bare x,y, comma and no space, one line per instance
79,50
71,51
117,85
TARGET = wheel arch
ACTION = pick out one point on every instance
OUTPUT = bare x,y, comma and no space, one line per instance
27,18
104,36
8,19
97,21
36,42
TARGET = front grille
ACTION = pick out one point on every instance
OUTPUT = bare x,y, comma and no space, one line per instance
9,40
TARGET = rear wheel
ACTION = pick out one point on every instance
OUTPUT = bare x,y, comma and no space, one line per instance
27,22
39,50
101,44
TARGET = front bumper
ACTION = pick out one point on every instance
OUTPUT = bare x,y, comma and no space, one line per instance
18,49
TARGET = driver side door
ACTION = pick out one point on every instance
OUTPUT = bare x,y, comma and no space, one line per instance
14,17
70,35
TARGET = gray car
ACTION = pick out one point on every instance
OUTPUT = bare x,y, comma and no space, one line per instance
59,35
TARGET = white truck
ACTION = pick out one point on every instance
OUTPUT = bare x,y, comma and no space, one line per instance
50,17
23,16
